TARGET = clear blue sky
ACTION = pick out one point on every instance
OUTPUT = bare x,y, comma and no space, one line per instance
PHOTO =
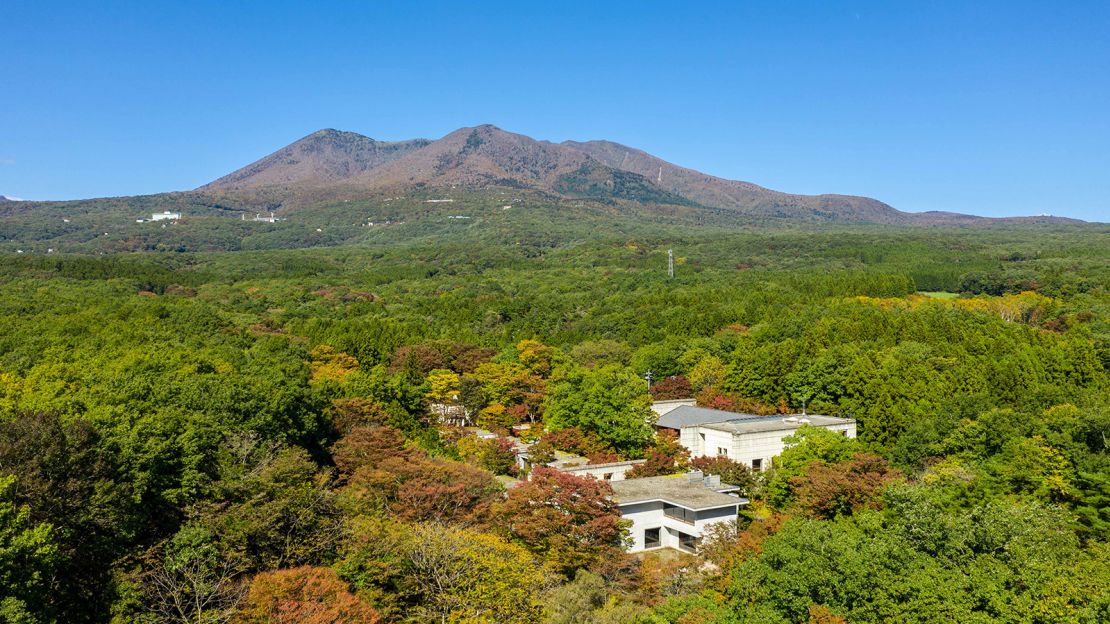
986,108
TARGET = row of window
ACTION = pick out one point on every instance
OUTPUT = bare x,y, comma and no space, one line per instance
679,513
685,541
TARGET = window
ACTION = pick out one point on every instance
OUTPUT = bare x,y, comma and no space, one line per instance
607,476
679,513
844,432
651,538
722,451
757,464
688,543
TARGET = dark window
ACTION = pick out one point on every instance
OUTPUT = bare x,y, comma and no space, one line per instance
757,464
679,513
687,542
844,432
722,451
608,476
651,538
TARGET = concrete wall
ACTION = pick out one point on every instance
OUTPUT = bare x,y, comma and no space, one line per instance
616,472
745,447
650,515
662,407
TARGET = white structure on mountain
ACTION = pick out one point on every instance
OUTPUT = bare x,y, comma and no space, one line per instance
750,439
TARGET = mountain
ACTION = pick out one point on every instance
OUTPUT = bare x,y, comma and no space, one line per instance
321,158
331,165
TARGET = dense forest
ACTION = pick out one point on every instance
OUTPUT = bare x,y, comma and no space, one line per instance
215,433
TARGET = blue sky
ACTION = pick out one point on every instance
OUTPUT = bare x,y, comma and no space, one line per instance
986,108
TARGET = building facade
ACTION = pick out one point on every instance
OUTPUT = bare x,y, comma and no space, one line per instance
674,511
750,439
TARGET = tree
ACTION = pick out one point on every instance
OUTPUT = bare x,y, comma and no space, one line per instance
707,372
609,402
442,573
665,456
330,365
496,455
383,474
279,511
471,396
808,444
369,446
443,391
591,354
195,583
831,490
588,600
66,478
730,471
537,357
303,595
672,387
28,554
570,521
465,575
346,414
512,384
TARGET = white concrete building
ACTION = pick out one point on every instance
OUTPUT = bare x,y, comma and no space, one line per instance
576,464
613,471
165,216
750,439
674,511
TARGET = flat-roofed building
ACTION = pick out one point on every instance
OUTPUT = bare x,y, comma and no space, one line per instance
750,439
674,511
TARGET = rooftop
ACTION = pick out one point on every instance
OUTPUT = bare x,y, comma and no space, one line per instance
676,489
588,466
776,423
688,416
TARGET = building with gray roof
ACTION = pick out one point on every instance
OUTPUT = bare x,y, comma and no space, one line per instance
751,439
674,511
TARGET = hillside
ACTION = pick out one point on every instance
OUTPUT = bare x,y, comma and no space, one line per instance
743,197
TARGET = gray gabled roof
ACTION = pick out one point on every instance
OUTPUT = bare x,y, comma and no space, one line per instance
687,416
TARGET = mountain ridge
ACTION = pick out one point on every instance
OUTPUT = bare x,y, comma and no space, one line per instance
485,155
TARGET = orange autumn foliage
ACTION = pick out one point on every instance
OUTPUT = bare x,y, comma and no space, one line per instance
304,595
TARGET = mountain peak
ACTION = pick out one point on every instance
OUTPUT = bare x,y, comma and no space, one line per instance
323,157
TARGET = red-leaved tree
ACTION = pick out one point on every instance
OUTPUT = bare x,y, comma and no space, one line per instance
304,595
570,521
830,490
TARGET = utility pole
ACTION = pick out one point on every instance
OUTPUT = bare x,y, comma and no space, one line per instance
670,263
